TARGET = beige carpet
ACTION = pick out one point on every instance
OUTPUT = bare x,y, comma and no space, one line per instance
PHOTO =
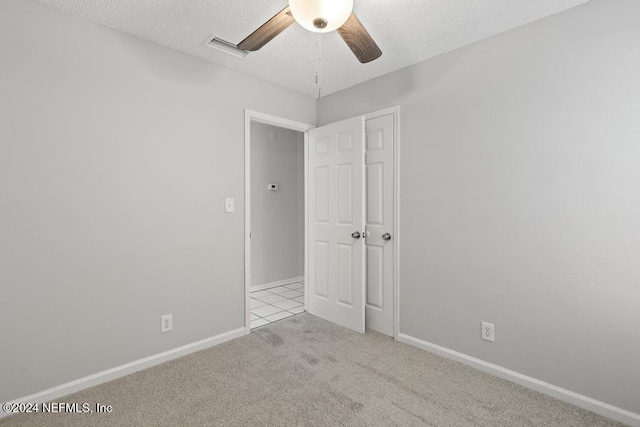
305,371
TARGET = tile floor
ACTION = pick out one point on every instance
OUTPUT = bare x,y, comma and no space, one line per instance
277,303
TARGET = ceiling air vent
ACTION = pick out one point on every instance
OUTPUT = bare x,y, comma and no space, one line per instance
227,47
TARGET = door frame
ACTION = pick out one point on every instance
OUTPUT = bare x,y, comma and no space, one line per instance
269,119
255,116
395,110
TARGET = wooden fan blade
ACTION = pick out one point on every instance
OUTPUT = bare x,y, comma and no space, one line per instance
267,31
358,39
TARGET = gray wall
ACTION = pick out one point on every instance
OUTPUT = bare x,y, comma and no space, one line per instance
277,217
115,159
520,197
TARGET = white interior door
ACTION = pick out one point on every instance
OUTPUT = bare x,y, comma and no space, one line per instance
379,224
336,223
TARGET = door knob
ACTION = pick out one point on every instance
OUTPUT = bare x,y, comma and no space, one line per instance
386,237
355,234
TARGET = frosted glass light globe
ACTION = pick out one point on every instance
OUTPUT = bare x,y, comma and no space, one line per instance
321,16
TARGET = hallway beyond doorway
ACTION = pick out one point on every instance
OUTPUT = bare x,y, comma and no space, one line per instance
277,303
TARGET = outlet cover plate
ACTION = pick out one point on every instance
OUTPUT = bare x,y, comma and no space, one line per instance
166,323
487,332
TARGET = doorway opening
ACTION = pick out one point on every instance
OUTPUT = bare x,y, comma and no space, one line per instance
277,223
275,218
351,188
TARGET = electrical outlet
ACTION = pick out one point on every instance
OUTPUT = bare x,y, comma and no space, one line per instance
487,331
166,323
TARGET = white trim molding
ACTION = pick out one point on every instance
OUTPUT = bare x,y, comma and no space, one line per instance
277,283
126,369
601,408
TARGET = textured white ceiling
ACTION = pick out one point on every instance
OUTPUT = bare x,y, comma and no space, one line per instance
407,31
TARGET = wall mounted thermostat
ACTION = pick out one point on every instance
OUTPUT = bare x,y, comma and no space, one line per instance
273,187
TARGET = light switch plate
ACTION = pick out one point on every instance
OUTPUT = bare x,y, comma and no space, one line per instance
229,205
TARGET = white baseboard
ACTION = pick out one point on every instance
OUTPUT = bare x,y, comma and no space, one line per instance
277,283
126,369
604,409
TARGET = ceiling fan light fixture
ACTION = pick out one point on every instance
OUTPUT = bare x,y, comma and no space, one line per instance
321,16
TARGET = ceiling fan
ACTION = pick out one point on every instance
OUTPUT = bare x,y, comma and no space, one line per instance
319,16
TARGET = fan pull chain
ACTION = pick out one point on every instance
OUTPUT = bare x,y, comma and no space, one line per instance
319,63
